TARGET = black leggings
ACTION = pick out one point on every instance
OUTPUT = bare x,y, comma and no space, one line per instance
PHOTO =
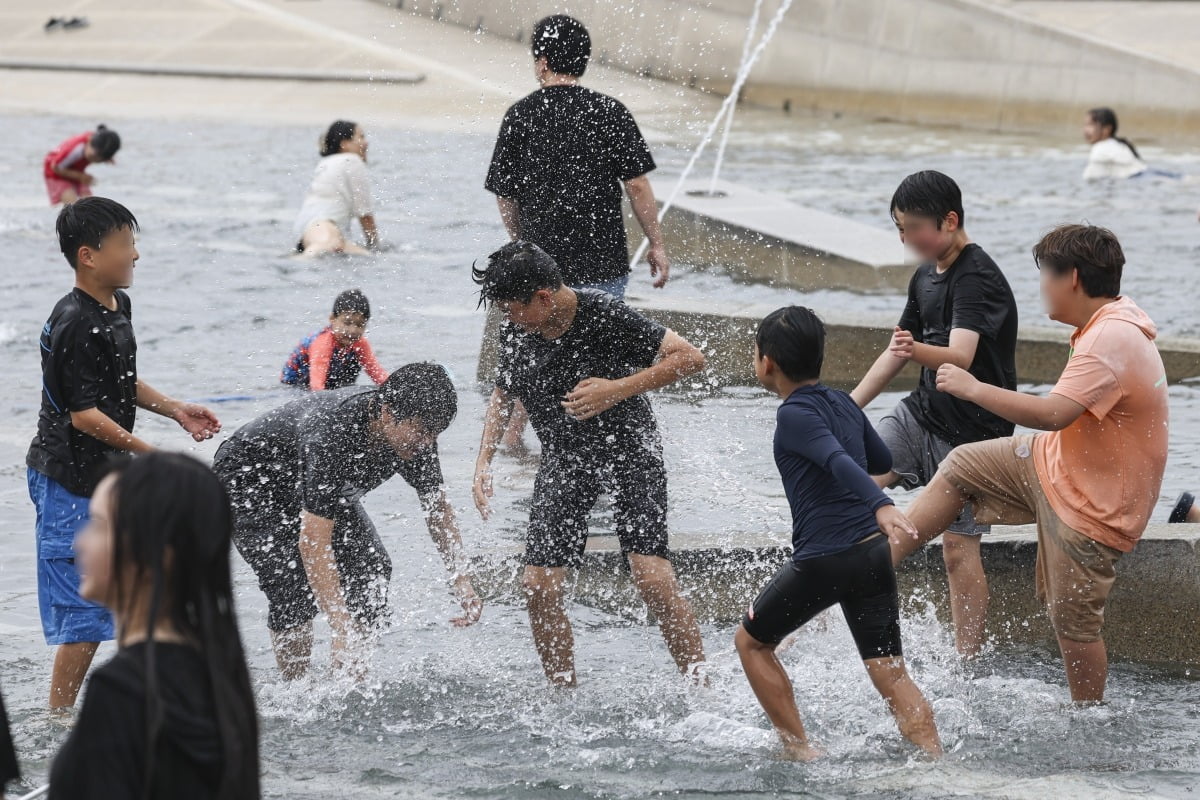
859,578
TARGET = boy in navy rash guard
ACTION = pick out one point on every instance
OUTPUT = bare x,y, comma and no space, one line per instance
826,451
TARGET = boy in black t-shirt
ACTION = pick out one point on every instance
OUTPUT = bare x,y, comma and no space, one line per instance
90,396
581,363
296,477
960,311
561,158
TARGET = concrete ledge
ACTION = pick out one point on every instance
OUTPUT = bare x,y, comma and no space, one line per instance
205,71
763,238
1153,614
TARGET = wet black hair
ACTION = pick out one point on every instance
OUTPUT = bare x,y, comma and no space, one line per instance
105,143
339,131
794,338
172,529
1091,250
1106,117
516,271
563,42
87,221
930,194
422,391
352,300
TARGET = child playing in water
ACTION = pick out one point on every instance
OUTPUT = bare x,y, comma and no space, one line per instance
1111,156
90,396
1091,479
960,310
826,451
65,168
334,356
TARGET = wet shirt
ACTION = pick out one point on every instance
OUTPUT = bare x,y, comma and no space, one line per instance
89,360
562,154
317,454
104,758
71,154
826,451
972,294
607,339
319,362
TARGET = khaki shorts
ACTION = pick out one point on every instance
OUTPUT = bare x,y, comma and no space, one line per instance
1074,573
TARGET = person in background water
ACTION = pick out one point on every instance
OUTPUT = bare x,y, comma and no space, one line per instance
65,167
90,395
1090,478
340,193
1114,156
826,451
334,356
172,715
561,159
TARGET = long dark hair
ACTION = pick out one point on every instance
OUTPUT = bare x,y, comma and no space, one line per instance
1106,117
340,131
172,529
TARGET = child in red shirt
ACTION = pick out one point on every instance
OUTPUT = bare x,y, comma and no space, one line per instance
334,356
65,168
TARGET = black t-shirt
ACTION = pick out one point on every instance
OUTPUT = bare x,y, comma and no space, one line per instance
9,771
972,294
89,360
317,454
104,758
562,154
607,339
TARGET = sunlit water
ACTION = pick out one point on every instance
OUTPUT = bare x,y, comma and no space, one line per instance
465,713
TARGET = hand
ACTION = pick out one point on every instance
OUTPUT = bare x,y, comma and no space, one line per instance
894,524
956,381
592,396
471,604
660,267
87,179
902,344
197,420
481,490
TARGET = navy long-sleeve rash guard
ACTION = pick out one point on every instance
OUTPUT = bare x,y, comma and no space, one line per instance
826,451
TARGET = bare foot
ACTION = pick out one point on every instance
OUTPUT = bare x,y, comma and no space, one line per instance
797,749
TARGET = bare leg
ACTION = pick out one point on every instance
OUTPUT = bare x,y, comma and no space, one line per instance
1193,514
935,508
67,198
293,650
655,581
910,708
1087,669
552,635
321,238
71,662
773,689
968,591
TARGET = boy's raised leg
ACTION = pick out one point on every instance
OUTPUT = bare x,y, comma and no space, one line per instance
938,505
552,634
773,689
910,708
968,591
655,580
71,662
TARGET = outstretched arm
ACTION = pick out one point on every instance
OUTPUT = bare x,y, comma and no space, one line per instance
443,529
195,419
677,358
1051,412
98,425
495,421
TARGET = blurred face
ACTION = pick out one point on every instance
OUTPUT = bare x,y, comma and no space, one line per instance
111,264
409,438
356,144
1092,131
348,327
1058,293
922,236
94,546
531,316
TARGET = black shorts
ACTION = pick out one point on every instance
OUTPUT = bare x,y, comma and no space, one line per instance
267,534
568,486
860,579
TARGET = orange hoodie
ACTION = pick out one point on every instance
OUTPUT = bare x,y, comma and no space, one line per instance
1102,473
